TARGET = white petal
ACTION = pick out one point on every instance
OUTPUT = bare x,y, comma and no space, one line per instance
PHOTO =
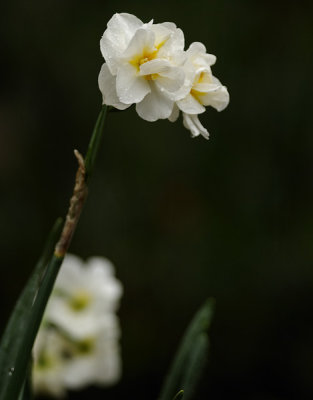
190,105
131,88
218,98
79,372
141,42
107,86
169,25
175,43
171,79
175,113
210,59
121,28
162,33
196,47
197,53
154,67
156,105
76,324
192,123
69,276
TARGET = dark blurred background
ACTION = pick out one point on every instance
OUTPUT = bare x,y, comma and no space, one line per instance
182,219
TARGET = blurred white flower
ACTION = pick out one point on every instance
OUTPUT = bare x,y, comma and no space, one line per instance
85,298
93,361
143,65
77,344
146,65
48,367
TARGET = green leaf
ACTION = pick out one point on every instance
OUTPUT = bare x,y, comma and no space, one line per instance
95,142
185,366
179,395
27,393
16,343
195,365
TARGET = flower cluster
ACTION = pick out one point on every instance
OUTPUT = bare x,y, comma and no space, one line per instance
146,65
77,344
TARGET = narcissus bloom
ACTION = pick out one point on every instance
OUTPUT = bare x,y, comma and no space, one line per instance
143,65
146,65
85,297
77,344
202,89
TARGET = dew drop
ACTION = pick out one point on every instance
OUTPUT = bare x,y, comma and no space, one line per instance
11,370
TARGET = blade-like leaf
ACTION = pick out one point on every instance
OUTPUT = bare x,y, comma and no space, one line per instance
179,395
12,341
199,325
195,365
27,393
94,143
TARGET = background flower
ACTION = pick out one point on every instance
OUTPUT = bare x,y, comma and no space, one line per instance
77,344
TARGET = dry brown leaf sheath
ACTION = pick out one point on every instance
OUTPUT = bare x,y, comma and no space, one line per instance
76,205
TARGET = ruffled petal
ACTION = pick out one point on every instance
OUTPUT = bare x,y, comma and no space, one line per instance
121,28
190,105
162,33
165,76
196,47
175,43
130,87
141,42
171,80
155,66
192,123
156,105
218,98
175,113
107,86
197,53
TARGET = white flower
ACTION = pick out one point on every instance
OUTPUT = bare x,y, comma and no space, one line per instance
85,297
94,360
143,65
201,89
77,344
48,366
146,65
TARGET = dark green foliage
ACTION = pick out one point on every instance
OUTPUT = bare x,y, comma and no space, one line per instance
191,355
17,340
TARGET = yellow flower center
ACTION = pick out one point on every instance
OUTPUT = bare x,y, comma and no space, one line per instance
204,77
45,361
86,346
147,55
80,300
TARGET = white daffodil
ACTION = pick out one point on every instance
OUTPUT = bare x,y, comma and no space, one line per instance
143,66
94,360
201,89
85,297
48,366
77,343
